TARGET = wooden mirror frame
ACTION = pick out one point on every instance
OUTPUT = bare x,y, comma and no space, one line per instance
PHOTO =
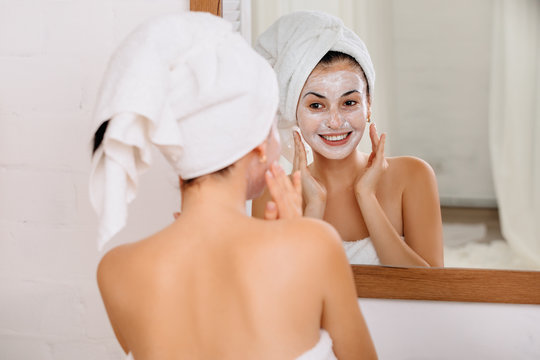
440,284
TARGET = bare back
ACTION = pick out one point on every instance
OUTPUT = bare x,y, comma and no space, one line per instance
214,290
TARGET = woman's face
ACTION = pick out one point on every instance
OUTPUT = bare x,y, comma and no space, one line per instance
333,109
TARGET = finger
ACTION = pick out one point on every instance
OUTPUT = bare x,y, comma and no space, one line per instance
297,183
285,196
274,188
299,152
282,179
374,138
270,211
380,149
370,159
379,158
297,155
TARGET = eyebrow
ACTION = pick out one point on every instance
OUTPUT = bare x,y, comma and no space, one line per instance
349,93
324,97
314,93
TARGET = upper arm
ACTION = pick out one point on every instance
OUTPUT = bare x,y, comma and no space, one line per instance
109,288
341,316
422,224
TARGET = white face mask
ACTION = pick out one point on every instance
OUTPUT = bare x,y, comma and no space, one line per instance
333,109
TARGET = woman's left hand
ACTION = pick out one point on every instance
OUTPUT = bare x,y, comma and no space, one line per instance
286,194
366,183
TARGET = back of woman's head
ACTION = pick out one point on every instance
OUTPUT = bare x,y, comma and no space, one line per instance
188,85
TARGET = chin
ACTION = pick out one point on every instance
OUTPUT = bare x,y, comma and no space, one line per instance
336,155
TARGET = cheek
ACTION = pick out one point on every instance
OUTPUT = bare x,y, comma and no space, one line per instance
357,119
308,122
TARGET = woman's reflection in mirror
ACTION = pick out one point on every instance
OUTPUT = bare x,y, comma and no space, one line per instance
386,209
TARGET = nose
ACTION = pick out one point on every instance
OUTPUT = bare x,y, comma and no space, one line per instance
336,120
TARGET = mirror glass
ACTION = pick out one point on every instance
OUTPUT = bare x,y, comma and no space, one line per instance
433,61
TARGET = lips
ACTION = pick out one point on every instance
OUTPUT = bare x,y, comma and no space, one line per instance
336,139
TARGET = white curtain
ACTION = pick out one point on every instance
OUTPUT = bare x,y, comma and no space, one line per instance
515,122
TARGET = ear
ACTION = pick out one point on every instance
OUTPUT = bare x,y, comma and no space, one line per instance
261,149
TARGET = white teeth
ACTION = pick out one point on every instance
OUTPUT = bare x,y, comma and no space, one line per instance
334,137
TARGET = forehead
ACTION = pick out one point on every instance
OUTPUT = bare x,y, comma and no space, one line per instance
336,76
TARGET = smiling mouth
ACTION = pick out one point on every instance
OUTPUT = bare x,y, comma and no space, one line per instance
338,139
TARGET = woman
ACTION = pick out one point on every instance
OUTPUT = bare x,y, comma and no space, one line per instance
385,209
215,284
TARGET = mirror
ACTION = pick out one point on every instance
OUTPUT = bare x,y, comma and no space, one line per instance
433,63
461,285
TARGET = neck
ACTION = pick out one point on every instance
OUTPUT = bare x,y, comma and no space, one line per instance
214,193
338,172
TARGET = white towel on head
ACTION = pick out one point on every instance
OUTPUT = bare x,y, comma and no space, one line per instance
189,85
294,45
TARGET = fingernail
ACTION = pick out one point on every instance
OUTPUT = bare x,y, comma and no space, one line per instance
268,173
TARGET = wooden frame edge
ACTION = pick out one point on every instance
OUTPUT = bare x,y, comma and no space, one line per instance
212,6
447,284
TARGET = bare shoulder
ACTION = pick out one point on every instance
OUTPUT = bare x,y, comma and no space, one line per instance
410,168
112,270
122,269
312,239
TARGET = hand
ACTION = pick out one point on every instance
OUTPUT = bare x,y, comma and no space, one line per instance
313,192
286,196
367,182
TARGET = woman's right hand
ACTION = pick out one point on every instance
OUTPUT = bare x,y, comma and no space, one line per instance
313,192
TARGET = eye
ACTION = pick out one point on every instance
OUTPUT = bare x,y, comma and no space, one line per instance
316,106
350,103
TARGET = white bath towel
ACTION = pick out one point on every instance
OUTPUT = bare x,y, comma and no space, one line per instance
321,351
361,252
293,45
189,85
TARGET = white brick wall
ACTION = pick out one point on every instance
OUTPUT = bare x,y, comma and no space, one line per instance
52,56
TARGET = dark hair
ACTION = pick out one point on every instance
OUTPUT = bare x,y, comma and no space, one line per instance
98,136
333,57
222,172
